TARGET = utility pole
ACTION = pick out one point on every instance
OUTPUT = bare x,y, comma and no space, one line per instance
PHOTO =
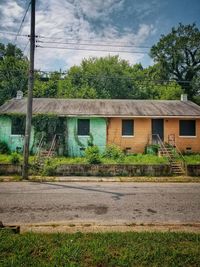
30,94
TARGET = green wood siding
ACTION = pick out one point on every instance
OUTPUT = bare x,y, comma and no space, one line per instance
97,132
13,141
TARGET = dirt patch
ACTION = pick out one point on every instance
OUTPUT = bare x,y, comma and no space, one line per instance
152,211
94,228
99,210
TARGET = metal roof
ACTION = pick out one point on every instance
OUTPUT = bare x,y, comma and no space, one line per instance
104,107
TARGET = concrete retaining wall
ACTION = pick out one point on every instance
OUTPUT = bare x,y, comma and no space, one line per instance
105,170
113,170
193,170
10,169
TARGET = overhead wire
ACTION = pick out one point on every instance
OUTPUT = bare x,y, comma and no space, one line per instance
92,50
91,42
22,21
13,34
107,77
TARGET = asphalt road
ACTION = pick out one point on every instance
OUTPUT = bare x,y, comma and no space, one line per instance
114,203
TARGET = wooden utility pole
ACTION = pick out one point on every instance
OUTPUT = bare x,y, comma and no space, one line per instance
30,94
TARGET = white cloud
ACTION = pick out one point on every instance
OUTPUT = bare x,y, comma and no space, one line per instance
10,12
75,19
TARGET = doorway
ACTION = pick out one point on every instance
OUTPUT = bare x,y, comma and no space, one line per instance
157,130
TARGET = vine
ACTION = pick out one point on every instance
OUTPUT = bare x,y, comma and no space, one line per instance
48,125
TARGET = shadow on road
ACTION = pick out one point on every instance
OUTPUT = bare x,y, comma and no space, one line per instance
116,195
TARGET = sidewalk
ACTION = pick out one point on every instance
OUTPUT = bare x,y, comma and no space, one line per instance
171,179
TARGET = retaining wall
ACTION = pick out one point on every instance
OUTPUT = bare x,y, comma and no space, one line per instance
105,170
113,170
10,169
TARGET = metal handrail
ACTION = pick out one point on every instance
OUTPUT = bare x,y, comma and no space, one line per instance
163,147
184,161
39,145
52,145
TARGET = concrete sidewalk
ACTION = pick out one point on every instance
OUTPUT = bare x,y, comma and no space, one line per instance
168,179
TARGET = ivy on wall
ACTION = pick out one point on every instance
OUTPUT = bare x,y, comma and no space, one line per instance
49,125
46,125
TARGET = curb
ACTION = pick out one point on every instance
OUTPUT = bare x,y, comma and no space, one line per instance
174,179
92,227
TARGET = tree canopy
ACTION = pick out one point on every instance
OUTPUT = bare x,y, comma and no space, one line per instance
178,54
13,72
176,69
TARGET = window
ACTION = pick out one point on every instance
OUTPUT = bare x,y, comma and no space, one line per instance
83,127
18,126
127,127
187,128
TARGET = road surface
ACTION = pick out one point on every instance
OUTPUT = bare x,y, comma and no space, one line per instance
114,203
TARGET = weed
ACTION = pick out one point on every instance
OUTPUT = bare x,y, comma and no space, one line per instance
92,155
15,158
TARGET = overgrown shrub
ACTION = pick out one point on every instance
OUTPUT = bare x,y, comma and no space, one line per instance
15,158
113,152
49,168
4,149
92,154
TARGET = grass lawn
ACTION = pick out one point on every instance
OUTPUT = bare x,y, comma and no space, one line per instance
130,159
103,249
192,159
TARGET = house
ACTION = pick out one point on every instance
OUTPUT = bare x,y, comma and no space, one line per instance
130,124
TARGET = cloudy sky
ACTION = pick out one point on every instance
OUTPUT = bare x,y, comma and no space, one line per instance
121,26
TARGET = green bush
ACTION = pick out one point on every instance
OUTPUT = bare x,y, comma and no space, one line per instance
15,158
49,167
113,152
4,149
92,154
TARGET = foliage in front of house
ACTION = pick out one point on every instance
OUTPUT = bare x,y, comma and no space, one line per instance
46,127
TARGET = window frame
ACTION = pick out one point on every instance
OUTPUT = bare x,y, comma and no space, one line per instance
186,135
78,127
20,124
133,128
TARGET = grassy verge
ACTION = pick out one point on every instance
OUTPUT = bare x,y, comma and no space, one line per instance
103,249
130,159
192,159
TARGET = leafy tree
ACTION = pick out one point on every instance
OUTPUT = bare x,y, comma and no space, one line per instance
150,83
109,77
13,72
178,54
46,86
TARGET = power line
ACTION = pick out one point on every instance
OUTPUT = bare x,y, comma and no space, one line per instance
100,42
116,77
22,21
25,47
92,44
13,33
92,50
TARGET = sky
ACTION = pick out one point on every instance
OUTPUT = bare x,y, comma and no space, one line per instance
111,25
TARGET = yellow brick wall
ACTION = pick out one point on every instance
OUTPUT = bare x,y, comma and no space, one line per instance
137,143
142,131
171,126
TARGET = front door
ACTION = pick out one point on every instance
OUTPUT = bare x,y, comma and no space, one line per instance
157,130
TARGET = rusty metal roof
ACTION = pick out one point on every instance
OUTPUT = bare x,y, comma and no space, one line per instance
104,107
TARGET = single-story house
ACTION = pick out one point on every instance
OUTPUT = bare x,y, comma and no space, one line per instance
130,124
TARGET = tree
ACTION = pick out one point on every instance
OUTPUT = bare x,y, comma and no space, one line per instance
13,72
178,54
151,83
109,77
